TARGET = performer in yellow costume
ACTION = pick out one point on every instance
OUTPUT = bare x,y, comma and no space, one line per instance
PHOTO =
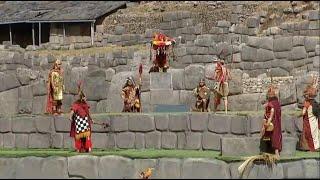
55,89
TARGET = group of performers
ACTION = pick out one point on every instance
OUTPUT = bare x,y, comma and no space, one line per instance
271,138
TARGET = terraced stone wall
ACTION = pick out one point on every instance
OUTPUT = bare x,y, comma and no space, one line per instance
23,76
193,131
116,167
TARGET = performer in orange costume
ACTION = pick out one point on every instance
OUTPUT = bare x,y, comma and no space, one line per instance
161,44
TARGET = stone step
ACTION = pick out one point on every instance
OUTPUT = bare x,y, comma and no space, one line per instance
160,81
248,146
118,167
197,131
170,108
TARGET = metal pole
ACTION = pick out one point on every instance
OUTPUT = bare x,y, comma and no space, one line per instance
92,33
10,34
64,33
39,33
33,40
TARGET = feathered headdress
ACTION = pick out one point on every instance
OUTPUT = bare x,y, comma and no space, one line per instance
79,84
140,68
272,89
80,91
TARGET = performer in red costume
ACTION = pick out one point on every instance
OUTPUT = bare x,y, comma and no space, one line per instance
271,141
161,44
222,76
81,123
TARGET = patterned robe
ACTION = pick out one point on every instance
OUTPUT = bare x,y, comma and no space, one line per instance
82,139
54,89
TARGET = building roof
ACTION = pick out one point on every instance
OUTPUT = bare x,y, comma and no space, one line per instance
55,11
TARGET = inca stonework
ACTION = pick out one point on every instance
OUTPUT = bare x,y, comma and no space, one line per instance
193,131
23,76
93,167
280,44
290,57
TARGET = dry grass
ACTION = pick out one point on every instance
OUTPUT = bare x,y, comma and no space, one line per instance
85,52
280,17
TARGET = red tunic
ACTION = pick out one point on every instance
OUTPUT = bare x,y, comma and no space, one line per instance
275,135
221,73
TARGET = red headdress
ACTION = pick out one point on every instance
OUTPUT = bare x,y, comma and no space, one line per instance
161,40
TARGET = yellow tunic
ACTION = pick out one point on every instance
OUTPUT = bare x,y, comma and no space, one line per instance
57,83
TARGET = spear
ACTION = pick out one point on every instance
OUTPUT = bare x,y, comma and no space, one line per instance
173,43
140,83
150,56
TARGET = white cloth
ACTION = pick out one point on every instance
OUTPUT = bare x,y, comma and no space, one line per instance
313,121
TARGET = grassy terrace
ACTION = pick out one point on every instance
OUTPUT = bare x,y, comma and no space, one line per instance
239,113
142,154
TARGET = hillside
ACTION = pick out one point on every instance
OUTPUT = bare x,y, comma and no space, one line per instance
138,17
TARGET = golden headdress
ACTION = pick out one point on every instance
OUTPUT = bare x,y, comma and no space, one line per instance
310,91
273,90
58,62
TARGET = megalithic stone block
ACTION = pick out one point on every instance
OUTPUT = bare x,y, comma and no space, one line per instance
160,81
288,146
232,146
164,96
250,146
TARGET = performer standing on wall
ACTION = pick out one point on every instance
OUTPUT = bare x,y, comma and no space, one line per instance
55,88
202,93
81,123
271,141
161,44
311,112
131,96
221,89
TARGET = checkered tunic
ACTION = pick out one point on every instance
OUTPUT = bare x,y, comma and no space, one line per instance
82,124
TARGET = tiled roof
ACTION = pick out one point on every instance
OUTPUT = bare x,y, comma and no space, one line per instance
46,11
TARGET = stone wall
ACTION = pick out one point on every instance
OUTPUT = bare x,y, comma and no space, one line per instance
197,131
289,58
23,75
116,167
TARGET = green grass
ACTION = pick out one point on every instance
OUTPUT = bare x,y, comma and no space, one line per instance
130,153
239,113
141,154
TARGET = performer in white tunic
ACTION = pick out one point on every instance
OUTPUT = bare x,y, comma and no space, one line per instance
311,112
